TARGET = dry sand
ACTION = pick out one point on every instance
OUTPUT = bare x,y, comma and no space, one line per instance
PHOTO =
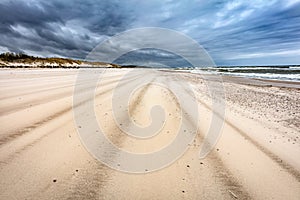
42,157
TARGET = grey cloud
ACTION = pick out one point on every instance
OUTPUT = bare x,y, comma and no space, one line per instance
227,29
48,24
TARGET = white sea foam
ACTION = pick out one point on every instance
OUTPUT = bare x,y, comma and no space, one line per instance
275,73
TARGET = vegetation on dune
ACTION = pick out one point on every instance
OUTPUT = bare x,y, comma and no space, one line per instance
10,57
24,59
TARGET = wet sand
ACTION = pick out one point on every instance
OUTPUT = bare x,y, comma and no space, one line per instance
42,156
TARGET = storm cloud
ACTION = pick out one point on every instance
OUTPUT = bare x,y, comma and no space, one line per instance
235,32
59,28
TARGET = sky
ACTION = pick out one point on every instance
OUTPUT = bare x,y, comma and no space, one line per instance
233,32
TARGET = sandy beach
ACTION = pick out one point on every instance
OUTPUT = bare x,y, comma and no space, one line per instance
42,156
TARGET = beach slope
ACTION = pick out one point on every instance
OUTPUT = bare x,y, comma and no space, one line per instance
42,156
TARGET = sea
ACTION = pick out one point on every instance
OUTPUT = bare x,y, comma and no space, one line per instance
283,73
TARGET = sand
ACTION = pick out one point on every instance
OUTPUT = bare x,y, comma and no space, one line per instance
42,156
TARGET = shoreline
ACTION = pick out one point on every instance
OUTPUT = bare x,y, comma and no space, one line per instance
230,78
263,82
248,80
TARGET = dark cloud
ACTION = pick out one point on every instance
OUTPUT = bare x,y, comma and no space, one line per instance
152,58
59,27
29,14
233,32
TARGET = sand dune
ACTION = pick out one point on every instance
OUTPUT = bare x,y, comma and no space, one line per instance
42,156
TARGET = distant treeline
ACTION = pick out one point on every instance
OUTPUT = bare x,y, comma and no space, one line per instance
21,57
9,57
